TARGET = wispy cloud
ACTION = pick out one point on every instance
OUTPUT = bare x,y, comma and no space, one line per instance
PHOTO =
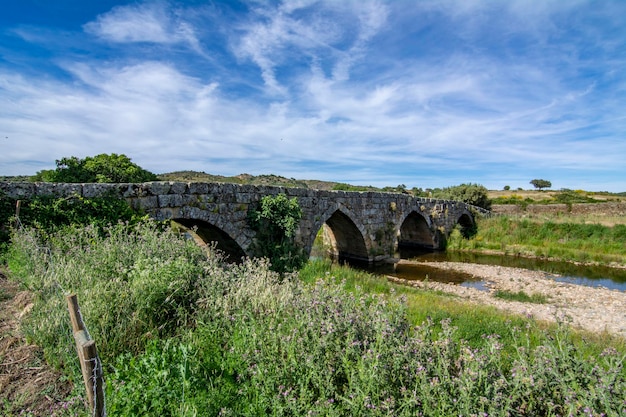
307,34
155,22
428,93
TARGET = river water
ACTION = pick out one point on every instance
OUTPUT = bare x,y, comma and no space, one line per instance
588,275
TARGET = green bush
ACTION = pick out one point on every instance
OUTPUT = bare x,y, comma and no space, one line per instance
275,221
473,194
573,197
513,199
171,378
104,168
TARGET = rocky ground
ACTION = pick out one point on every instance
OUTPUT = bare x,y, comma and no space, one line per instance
593,309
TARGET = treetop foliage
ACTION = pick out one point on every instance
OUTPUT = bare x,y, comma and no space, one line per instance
103,168
537,183
474,194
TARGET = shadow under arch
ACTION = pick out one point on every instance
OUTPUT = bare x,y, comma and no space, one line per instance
415,234
211,234
343,240
467,225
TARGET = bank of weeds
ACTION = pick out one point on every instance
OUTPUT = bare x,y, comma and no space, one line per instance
181,334
550,238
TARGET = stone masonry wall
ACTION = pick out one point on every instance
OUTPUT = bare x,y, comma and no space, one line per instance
377,216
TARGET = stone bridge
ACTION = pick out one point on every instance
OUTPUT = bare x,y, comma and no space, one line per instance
363,226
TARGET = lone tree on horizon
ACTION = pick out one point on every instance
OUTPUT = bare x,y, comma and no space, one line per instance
541,184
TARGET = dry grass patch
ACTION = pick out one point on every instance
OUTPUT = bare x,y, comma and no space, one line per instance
27,385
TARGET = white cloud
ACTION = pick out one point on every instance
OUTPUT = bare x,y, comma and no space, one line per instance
153,22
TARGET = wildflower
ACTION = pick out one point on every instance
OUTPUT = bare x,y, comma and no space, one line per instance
610,351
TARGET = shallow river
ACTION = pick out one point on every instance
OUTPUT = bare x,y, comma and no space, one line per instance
593,276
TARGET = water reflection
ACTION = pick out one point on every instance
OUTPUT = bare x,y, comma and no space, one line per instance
419,271
588,275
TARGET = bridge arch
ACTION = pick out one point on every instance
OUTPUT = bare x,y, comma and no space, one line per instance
416,232
211,234
466,224
343,237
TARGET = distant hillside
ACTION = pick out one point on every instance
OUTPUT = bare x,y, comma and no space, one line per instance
274,180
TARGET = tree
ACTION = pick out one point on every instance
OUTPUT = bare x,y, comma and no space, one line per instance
111,168
541,184
474,194
275,221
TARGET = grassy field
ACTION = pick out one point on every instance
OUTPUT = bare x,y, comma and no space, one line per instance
560,237
183,334
537,195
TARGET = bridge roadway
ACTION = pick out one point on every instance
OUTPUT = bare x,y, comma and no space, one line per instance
364,226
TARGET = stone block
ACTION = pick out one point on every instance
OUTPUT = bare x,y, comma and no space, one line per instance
98,190
178,187
145,203
198,188
18,190
170,200
158,188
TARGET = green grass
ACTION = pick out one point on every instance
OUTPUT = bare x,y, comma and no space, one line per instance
521,296
558,240
182,334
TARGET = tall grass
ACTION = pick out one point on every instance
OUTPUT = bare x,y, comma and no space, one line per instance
560,240
186,335
134,284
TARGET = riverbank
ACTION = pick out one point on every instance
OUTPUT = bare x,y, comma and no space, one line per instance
596,310
564,238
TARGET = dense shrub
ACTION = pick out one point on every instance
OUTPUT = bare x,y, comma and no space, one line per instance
474,194
275,221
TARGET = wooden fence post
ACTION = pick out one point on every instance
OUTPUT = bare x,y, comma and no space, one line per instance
90,364
18,205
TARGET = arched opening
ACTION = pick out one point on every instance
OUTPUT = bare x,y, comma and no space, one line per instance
466,225
342,240
415,236
211,234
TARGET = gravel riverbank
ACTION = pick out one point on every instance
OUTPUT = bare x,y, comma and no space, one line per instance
593,309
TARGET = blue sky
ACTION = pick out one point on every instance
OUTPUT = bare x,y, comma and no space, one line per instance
427,93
